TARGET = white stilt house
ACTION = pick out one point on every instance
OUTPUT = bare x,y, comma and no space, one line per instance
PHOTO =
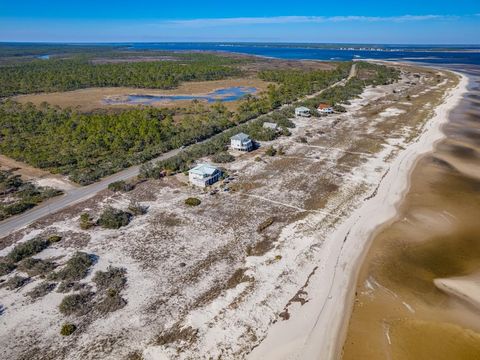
203,175
325,109
241,142
302,111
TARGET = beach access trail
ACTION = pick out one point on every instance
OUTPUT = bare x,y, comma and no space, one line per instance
76,195
317,329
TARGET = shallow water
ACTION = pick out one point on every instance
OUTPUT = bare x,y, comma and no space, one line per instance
224,95
398,311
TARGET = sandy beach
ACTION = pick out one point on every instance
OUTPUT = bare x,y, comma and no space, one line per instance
317,329
269,273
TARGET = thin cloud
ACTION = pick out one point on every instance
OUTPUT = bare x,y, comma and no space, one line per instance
301,19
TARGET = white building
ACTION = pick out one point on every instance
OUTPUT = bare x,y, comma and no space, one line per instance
241,142
269,125
203,175
325,109
302,111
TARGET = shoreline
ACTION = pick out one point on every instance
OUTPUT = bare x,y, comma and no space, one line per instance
318,329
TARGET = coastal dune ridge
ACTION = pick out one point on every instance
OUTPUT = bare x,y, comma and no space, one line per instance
317,330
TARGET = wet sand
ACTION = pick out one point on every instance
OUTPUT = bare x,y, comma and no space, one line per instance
417,292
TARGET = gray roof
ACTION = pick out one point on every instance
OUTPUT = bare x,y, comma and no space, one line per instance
240,136
204,169
302,109
270,125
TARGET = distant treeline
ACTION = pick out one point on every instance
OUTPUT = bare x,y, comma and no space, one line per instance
62,75
90,146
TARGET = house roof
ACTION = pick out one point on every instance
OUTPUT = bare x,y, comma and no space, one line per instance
240,136
270,125
324,106
204,169
302,108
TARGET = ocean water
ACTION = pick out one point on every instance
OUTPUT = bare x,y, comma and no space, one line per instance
423,54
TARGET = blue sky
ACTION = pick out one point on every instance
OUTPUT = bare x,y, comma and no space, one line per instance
414,22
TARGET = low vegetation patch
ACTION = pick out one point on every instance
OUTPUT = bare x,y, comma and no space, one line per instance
112,278
192,201
76,304
265,224
41,290
6,266
112,301
67,329
271,151
75,269
223,157
16,282
121,185
34,267
86,221
17,195
112,218
137,209
27,249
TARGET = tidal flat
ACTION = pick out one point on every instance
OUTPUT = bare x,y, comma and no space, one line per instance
417,292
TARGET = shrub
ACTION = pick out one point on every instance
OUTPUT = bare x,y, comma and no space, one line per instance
16,282
6,266
86,221
223,158
67,329
193,202
271,151
34,267
76,267
136,209
41,290
76,304
113,278
120,186
111,302
54,238
112,218
67,286
26,249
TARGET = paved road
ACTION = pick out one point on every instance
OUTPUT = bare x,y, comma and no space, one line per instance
77,195
71,197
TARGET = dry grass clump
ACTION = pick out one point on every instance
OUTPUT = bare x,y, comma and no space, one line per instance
260,248
113,278
6,266
110,283
265,224
177,333
41,290
112,301
34,267
16,282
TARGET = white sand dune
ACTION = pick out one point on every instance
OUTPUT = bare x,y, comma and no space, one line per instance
317,329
